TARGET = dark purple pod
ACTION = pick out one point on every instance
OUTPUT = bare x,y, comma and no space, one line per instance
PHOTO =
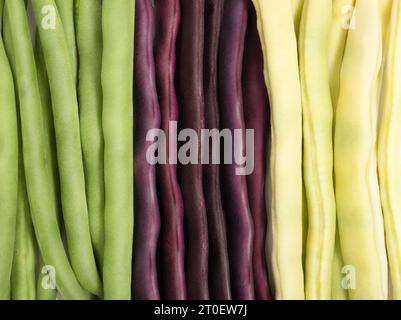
256,111
146,117
172,249
191,110
235,194
219,273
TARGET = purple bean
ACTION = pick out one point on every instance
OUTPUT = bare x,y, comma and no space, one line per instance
235,194
256,111
172,207
219,273
191,104
147,116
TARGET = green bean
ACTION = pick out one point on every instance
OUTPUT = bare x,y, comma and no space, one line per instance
276,28
356,182
66,12
117,68
318,146
89,41
389,148
69,153
37,169
8,170
23,272
50,143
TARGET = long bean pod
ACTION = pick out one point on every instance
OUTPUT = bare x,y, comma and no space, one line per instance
256,111
191,103
172,206
8,170
318,146
147,117
356,181
389,148
117,68
284,196
69,153
37,169
219,269
89,42
297,8
235,194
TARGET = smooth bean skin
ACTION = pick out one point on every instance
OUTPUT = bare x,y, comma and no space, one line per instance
69,153
89,42
66,11
389,148
8,171
284,196
117,68
355,157
256,115
318,147
171,204
191,108
297,7
219,269
147,117
37,169
235,195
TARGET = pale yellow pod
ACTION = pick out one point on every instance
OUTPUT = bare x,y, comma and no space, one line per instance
318,146
297,6
390,148
284,187
356,182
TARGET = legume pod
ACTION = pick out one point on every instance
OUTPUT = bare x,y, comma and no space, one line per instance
284,195
356,182
318,146
389,148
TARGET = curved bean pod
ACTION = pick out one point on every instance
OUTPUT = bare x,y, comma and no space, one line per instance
37,169
147,117
318,147
256,111
389,148
219,270
356,181
89,42
297,7
118,19
8,170
172,207
69,153
235,194
284,197
191,103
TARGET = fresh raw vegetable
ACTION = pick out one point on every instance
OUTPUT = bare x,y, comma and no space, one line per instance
297,7
117,83
356,182
191,108
89,41
284,190
37,169
219,270
69,153
172,248
318,147
147,114
256,111
66,9
389,148
8,169
235,194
